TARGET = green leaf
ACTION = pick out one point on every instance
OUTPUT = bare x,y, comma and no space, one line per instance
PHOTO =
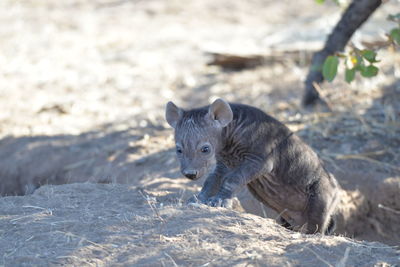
329,69
350,74
320,1
359,63
369,55
369,71
395,34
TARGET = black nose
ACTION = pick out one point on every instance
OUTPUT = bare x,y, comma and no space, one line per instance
191,174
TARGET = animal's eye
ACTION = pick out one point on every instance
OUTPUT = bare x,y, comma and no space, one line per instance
179,150
205,149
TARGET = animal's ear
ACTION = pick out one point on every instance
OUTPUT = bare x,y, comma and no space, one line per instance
173,114
221,112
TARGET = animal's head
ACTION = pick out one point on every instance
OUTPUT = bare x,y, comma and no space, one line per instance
198,135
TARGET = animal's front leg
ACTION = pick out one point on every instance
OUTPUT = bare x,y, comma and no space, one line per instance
211,185
235,179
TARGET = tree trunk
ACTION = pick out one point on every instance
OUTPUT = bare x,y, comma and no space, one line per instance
354,16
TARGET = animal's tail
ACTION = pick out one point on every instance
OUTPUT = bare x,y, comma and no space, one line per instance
331,227
333,205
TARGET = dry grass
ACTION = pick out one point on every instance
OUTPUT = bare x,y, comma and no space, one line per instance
121,227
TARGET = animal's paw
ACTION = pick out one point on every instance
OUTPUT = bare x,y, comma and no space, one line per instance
220,202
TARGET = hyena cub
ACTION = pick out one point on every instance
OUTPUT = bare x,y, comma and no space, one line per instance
237,145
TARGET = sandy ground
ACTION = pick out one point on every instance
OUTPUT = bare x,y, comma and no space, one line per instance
83,86
115,225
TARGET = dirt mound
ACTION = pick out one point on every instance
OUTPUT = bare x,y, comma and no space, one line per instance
368,209
99,225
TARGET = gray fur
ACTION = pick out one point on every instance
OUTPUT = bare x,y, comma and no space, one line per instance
248,147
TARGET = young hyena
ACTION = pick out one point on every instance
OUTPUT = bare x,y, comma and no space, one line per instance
237,145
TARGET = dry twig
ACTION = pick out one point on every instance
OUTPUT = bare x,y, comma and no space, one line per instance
389,209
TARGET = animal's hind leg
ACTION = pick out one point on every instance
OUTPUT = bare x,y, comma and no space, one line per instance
321,206
331,227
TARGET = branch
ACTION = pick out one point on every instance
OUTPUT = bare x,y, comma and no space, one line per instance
354,16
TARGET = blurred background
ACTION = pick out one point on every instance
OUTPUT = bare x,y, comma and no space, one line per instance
83,86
